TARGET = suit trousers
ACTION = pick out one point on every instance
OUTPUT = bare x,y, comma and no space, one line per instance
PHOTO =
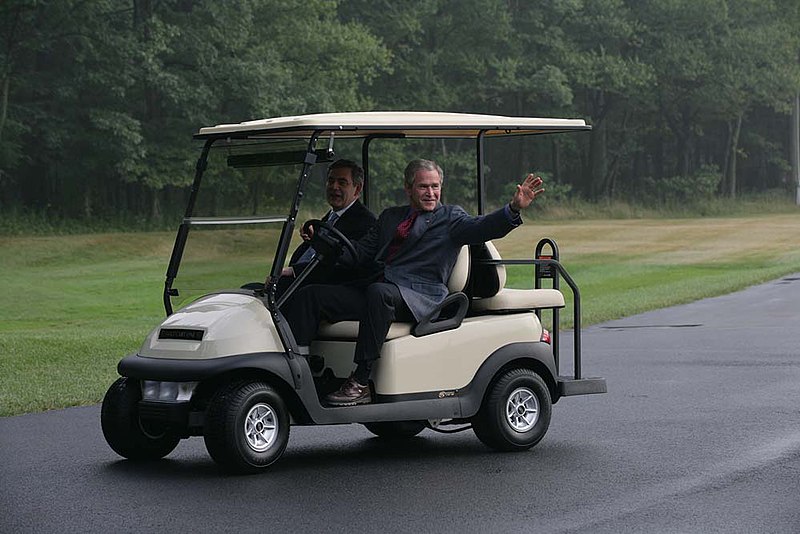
374,306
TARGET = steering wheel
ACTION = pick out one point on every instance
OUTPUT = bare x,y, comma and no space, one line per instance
327,241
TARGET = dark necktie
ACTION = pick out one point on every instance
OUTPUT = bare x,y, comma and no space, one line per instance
332,218
400,235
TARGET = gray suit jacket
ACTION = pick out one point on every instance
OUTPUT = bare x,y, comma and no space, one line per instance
423,264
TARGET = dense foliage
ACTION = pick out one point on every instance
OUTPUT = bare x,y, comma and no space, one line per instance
688,98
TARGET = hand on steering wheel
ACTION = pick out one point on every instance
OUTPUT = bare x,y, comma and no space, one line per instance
327,241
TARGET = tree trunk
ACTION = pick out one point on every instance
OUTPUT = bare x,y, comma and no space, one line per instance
142,11
556,161
254,196
87,202
598,147
658,159
795,152
726,160
683,153
522,164
734,147
612,169
155,206
4,103
12,31
598,165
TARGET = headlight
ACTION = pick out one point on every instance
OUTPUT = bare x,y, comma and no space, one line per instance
167,391
185,390
149,390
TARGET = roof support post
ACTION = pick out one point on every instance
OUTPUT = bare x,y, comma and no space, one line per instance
365,165
481,182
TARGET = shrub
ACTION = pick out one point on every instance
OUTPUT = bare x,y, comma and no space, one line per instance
699,187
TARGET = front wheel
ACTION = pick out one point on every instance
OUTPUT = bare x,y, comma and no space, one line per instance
392,430
515,413
247,427
125,432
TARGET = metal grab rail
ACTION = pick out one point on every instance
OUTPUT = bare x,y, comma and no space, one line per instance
576,303
544,271
214,221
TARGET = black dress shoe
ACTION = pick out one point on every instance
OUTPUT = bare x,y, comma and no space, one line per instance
350,394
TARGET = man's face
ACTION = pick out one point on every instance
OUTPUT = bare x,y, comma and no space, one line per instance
425,193
341,190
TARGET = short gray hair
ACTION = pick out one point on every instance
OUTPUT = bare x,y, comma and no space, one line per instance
420,165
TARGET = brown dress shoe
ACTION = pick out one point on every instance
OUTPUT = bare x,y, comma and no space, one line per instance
350,394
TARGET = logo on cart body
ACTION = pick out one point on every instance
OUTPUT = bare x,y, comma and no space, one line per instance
443,394
180,333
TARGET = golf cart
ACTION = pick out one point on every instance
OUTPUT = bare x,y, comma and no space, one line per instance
224,363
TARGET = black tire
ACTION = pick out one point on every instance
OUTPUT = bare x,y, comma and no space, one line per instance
246,427
392,430
125,432
503,428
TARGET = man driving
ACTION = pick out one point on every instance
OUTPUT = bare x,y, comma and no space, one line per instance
347,214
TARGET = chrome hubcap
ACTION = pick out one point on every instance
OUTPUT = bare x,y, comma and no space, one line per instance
522,409
260,427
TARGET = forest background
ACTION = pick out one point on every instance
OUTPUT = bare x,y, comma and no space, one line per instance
690,100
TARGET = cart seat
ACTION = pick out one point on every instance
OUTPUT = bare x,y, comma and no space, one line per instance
488,291
459,276
349,330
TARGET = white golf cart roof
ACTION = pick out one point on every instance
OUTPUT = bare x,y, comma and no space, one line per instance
397,123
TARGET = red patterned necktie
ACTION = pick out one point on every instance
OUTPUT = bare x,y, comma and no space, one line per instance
400,235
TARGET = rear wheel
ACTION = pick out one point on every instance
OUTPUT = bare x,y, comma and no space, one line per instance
396,429
246,427
125,432
515,413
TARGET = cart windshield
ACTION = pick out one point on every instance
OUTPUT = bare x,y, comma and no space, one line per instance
244,199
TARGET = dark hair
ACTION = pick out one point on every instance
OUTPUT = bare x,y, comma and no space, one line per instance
355,169
417,165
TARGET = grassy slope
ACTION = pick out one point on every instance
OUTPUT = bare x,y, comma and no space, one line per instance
71,306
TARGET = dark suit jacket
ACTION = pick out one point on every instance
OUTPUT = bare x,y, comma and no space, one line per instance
424,262
354,224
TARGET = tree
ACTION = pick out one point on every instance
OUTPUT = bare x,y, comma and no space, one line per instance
757,65
605,67
109,94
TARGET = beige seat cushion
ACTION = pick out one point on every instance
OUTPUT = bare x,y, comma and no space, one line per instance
505,300
460,273
520,299
349,330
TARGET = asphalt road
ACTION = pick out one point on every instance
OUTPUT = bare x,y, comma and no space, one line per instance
700,432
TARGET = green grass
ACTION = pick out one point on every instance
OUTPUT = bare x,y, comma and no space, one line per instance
572,208
628,267
612,292
72,306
